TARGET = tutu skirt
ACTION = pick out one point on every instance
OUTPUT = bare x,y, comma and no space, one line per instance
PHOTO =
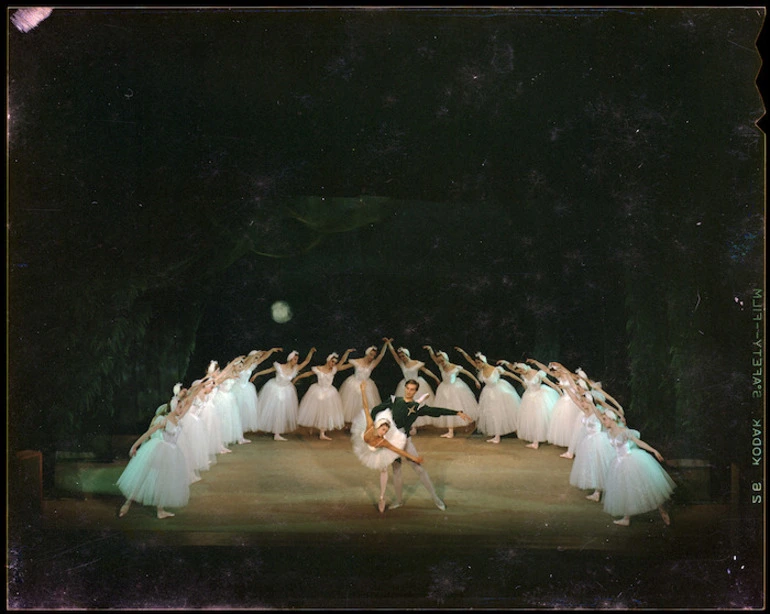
535,414
498,409
246,398
592,458
321,407
564,421
350,392
456,395
636,483
375,458
278,406
158,477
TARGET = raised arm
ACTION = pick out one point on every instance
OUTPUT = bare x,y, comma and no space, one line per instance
263,372
305,362
645,446
265,355
431,353
466,356
393,352
513,376
369,419
538,364
377,360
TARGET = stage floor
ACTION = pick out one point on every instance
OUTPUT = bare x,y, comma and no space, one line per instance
294,524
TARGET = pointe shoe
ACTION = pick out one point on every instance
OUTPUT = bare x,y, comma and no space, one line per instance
277,437
448,435
124,510
440,505
225,451
623,522
494,440
164,514
566,455
242,441
533,445
593,496
381,505
396,505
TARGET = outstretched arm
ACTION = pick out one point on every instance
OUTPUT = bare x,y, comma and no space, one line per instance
305,362
432,353
465,355
369,420
144,437
473,377
386,444
538,364
393,352
646,446
265,355
377,360
258,373
429,372
303,375
513,376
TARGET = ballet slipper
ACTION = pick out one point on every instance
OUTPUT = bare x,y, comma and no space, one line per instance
381,505
567,455
495,439
440,504
448,435
324,437
244,440
593,496
124,509
623,522
164,514
534,445
396,505
277,437
197,478
225,451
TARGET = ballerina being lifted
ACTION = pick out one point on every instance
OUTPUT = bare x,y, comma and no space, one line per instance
377,443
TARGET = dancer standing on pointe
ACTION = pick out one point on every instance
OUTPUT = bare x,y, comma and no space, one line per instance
278,402
321,405
453,392
350,390
405,411
377,443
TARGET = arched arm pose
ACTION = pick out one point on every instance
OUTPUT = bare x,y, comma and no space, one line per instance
405,361
467,357
511,372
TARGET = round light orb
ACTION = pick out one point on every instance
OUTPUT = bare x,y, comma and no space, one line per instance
281,312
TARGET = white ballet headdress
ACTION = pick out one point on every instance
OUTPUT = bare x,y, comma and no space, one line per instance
443,355
177,388
380,422
253,352
611,414
161,410
292,354
597,385
370,348
173,403
212,367
523,366
481,357
582,384
332,355
197,382
405,351
581,373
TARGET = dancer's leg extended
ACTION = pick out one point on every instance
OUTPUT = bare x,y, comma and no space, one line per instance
423,475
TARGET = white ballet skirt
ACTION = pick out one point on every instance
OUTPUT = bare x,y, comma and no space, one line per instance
246,396
413,372
278,403
350,391
636,483
376,458
157,475
498,405
321,405
565,418
229,414
577,434
454,393
536,405
592,457
194,443
207,413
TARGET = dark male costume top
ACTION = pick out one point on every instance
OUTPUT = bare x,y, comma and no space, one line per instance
405,413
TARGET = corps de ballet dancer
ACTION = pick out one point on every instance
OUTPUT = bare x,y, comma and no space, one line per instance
453,393
350,390
321,405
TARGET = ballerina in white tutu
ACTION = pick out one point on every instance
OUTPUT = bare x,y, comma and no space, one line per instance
411,369
350,389
498,402
377,442
321,405
636,483
594,452
540,395
245,392
278,402
565,415
156,473
453,393
225,402
192,439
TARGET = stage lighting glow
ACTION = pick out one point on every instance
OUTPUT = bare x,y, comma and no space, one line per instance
281,312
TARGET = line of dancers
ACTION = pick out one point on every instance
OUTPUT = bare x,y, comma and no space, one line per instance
557,406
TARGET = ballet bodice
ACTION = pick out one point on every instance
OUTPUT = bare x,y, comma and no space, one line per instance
227,385
281,378
243,378
362,373
592,424
450,376
597,395
325,379
533,382
621,443
171,432
412,372
493,378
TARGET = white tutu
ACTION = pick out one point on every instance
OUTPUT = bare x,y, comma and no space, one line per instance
206,412
375,458
278,403
321,405
498,405
194,443
454,393
636,483
350,391
536,405
564,421
592,458
578,432
246,398
229,415
158,476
